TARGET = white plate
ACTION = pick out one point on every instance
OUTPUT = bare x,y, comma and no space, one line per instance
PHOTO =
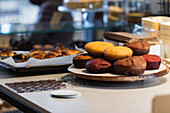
148,74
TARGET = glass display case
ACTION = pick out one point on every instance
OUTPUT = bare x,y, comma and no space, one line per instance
87,9
88,23
17,28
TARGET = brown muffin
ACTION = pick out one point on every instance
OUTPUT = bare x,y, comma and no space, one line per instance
79,61
98,66
130,66
139,47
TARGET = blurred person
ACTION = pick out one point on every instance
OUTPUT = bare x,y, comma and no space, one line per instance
48,9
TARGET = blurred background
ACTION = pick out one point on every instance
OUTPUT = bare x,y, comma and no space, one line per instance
22,11
28,24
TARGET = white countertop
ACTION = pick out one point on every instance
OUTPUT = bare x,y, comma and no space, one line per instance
97,97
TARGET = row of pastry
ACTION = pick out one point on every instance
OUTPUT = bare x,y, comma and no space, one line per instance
59,51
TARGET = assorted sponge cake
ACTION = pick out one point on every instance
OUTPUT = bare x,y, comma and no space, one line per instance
97,48
165,27
153,23
125,60
117,52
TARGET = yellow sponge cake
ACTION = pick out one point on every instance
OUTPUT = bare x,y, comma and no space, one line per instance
165,28
151,25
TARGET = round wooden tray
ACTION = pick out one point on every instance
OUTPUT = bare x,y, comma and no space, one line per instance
148,74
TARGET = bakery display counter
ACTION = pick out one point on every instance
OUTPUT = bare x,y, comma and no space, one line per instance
97,87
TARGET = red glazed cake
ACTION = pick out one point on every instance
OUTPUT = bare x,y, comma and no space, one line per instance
153,61
98,66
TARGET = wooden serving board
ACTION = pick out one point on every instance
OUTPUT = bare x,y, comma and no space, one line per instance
148,74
